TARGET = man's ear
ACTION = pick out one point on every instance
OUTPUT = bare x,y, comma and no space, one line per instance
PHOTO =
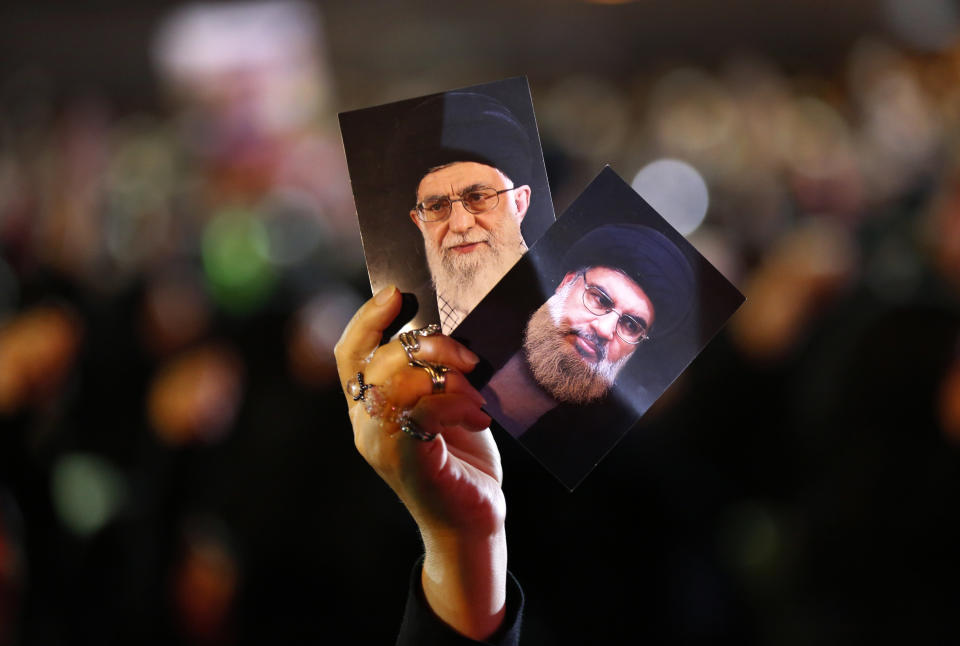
567,279
417,221
521,200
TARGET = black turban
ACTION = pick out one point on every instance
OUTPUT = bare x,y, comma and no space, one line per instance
650,259
458,127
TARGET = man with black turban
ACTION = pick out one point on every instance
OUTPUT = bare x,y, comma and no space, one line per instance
468,159
622,285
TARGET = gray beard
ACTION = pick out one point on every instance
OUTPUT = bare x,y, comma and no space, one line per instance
464,280
556,365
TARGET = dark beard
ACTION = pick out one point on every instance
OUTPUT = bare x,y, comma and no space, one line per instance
557,366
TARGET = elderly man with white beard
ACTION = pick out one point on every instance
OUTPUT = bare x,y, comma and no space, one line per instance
622,285
470,194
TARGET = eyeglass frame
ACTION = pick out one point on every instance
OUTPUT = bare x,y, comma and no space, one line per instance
419,206
645,336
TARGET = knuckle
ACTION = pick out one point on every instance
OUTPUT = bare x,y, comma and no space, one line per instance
339,350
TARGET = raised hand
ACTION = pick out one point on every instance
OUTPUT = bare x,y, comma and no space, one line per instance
450,484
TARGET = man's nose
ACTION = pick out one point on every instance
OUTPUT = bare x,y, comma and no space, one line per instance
461,220
606,325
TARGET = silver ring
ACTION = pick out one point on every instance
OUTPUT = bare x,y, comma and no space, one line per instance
437,372
413,429
428,330
410,344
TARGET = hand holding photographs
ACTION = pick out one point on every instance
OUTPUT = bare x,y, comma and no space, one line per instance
580,334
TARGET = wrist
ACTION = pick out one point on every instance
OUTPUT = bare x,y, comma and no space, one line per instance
464,579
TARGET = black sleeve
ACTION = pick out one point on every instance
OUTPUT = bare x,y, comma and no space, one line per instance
421,627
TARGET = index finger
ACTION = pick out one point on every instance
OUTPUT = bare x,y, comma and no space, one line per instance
363,332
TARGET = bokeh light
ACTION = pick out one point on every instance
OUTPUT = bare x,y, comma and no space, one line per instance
949,400
87,492
205,582
176,310
808,266
201,49
676,190
195,396
235,258
294,226
37,350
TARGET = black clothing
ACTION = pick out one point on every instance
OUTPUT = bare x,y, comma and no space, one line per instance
420,626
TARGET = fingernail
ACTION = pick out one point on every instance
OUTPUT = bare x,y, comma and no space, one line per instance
479,426
477,397
468,356
384,294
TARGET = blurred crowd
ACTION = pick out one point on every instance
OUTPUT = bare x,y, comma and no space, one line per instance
175,461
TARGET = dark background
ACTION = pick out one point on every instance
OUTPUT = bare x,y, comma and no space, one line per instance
180,253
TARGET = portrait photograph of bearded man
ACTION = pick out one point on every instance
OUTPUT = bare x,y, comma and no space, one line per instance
589,329
450,191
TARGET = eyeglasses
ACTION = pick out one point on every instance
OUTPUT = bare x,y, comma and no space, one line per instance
474,200
629,328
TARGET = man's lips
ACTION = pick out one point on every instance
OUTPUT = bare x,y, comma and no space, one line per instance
466,247
586,349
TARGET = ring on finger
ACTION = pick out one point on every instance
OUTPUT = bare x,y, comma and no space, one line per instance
437,372
414,430
410,344
356,387
380,408
428,330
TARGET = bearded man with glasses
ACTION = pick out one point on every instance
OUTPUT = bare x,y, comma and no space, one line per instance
622,286
468,157
469,215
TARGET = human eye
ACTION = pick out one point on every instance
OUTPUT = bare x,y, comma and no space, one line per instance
603,300
631,326
435,205
478,197
597,300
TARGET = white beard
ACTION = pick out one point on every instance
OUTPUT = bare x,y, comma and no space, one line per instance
464,279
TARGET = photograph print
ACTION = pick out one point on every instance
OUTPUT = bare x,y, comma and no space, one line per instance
591,326
450,191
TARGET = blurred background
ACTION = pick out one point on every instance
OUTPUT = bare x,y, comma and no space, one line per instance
179,253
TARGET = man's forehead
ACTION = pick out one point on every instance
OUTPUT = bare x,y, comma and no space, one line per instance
458,176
